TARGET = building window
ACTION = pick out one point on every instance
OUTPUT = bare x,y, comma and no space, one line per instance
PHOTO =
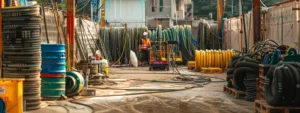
153,5
161,5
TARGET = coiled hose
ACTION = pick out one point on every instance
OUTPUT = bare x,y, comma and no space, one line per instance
283,90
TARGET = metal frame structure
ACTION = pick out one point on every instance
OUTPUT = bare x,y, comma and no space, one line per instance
219,15
256,21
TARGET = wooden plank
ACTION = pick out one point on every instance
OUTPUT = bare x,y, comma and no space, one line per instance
261,106
235,93
211,70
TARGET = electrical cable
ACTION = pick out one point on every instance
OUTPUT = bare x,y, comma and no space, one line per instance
263,4
87,2
122,53
91,107
68,111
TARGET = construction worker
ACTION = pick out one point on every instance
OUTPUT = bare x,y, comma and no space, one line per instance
144,46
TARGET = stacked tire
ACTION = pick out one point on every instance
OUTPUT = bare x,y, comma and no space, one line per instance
282,84
22,50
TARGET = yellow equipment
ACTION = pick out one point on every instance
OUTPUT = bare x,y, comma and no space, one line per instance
213,58
11,91
175,56
159,51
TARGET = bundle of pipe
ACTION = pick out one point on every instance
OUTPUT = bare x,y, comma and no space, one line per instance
118,41
208,35
243,69
213,58
22,50
181,34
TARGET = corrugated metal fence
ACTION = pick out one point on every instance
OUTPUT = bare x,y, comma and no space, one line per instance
281,25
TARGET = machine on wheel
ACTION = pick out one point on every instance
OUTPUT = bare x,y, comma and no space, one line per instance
159,51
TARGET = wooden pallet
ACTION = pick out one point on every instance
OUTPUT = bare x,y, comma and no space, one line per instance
211,70
260,89
235,93
261,106
263,70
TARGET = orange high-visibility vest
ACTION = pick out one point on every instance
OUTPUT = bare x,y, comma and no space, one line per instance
145,44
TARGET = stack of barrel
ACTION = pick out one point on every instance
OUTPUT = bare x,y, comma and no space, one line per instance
21,34
53,72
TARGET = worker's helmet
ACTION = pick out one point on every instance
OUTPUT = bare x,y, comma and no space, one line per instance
145,34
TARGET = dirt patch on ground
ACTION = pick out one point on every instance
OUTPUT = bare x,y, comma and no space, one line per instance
157,104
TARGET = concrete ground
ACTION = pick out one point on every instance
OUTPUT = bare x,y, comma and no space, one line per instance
138,90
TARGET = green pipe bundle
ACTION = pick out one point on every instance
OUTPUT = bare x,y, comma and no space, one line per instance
208,35
181,34
118,41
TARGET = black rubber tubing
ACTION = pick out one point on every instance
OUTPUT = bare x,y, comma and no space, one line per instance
239,75
248,59
274,82
295,86
242,58
235,57
246,64
229,77
288,86
232,64
230,71
291,65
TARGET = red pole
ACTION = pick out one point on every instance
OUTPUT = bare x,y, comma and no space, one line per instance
70,32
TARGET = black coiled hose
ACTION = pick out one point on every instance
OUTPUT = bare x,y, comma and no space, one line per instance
273,87
286,82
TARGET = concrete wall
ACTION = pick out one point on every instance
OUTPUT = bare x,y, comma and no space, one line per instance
165,13
119,12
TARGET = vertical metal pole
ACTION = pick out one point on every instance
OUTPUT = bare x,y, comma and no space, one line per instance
70,32
281,24
192,10
103,14
219,15
1,42
245,32
231,6
256,20
92,13
240,7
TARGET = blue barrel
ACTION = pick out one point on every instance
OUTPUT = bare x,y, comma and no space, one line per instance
53,87
53,59
53,65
